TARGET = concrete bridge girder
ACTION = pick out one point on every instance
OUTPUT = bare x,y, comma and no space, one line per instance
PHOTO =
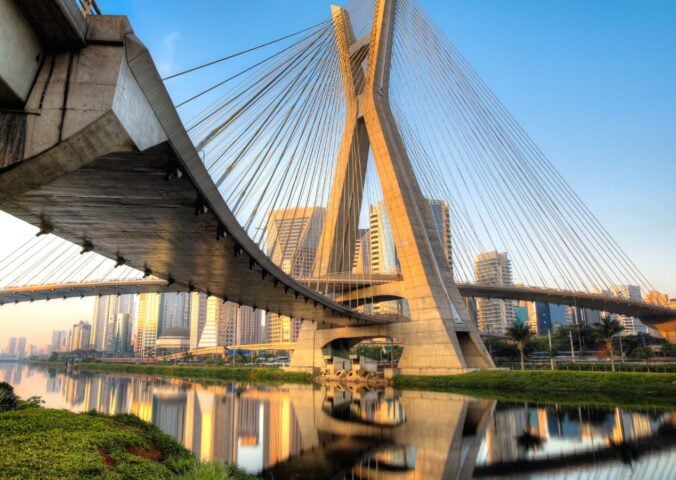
94,165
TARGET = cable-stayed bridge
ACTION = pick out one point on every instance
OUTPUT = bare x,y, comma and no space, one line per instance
357,161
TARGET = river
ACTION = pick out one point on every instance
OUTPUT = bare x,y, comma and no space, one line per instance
312,432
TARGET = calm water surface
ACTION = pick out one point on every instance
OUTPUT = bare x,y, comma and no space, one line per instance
306,432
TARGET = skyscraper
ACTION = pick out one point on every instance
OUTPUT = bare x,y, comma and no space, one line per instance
147,324
208,321
362,252
59,340
21,347
632,325
494,316
80,338
11,347
442,220
292,237
383,253
174,310
249,326
106,310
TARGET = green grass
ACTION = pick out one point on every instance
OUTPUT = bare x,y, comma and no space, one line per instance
581,388
244,374
57,444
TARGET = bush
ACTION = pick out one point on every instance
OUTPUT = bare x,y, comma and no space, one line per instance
8,400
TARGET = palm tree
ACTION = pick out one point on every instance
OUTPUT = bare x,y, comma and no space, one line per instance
607,329
520,333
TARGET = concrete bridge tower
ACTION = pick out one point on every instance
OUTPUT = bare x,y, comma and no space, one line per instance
440,337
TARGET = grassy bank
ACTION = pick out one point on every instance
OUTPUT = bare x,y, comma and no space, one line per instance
50,444
242,374
582,388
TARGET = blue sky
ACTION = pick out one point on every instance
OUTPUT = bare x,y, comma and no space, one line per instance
591,81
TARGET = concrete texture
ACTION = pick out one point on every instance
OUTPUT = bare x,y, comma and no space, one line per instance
20,55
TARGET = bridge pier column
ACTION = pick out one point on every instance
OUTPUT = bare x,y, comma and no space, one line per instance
427,347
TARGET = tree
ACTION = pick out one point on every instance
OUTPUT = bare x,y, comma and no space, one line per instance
642,353
53,357
606,329
520,332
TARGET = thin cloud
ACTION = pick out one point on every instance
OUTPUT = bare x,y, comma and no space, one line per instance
167,55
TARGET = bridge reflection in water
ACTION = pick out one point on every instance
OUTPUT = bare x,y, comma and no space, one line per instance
300,431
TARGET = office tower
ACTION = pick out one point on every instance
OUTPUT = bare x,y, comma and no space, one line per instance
494,316
291,239
632,325
362,252
442,220
59,338
80,338
560,315
174,310
539,317
147,324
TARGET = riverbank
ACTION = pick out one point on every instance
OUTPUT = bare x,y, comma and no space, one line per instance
57,444
582,388
240,374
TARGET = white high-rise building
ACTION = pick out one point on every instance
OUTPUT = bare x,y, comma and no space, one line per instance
494,316
632,325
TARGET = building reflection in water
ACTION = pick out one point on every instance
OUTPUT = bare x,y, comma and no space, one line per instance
311,432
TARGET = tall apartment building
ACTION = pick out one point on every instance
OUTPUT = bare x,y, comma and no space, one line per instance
174,310
632,325
147,325
494,316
